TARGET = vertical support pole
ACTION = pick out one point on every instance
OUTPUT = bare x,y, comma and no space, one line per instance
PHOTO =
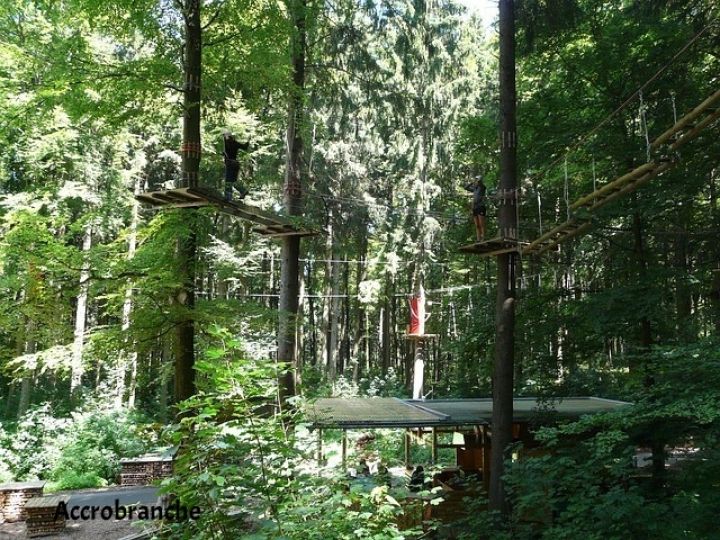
418,368
407,448
433,458
319,447
503,365
344,449
486,443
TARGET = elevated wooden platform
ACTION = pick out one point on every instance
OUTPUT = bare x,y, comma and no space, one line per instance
269,224
420,336
493,246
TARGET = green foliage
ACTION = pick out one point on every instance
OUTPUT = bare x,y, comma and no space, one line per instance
326,509
239,463
586,486
81,450
98,441
35,444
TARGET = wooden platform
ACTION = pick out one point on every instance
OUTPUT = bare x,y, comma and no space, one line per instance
421,336
494,246
268,224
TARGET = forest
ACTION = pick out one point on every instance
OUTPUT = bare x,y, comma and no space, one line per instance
361,269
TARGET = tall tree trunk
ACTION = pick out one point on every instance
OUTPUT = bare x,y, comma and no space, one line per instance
26,384
10,397
221,286
385,324
184,344
300,337
505,303
290,252
76,368
657,443
311,312
361,337
129,358
683,299
345,356
333,331
715,280
327,290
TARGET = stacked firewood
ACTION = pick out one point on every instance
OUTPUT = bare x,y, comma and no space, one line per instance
13,498
143,471
43,518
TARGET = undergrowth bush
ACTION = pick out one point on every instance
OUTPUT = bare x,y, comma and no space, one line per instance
91,458
248,472
78,451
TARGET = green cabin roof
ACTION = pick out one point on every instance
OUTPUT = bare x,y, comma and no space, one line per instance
406,413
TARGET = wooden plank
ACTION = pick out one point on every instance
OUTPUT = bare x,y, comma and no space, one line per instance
194,204
685,120
575,232
266,232
248,212
543,238
493,246
164,198
614,185
192,197
693,133
635,185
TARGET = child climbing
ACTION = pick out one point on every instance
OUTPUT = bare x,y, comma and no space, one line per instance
478,189
231,147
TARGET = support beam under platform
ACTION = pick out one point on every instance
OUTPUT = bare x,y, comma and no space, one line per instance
269,224
494,246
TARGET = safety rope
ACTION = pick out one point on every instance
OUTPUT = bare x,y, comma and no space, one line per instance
644,125
567,189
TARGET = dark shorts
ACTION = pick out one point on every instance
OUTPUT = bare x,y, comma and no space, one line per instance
479,210
232,168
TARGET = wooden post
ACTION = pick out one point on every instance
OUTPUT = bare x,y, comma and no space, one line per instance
486,457
503,369
418,367
344,449
319,447
407,448
433,458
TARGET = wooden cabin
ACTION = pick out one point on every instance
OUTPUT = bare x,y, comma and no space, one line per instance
469,421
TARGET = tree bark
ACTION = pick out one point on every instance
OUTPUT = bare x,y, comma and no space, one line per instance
385,324
129,357
361,337
184,343
26,384
333,330
657,443
290,252
505,302
76,369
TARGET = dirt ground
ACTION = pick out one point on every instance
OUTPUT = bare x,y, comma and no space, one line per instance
93,529
79,530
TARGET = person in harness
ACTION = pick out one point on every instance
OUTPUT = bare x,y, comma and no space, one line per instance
231,147
479,209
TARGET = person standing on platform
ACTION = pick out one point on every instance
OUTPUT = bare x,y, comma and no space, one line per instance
231,147
479,209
